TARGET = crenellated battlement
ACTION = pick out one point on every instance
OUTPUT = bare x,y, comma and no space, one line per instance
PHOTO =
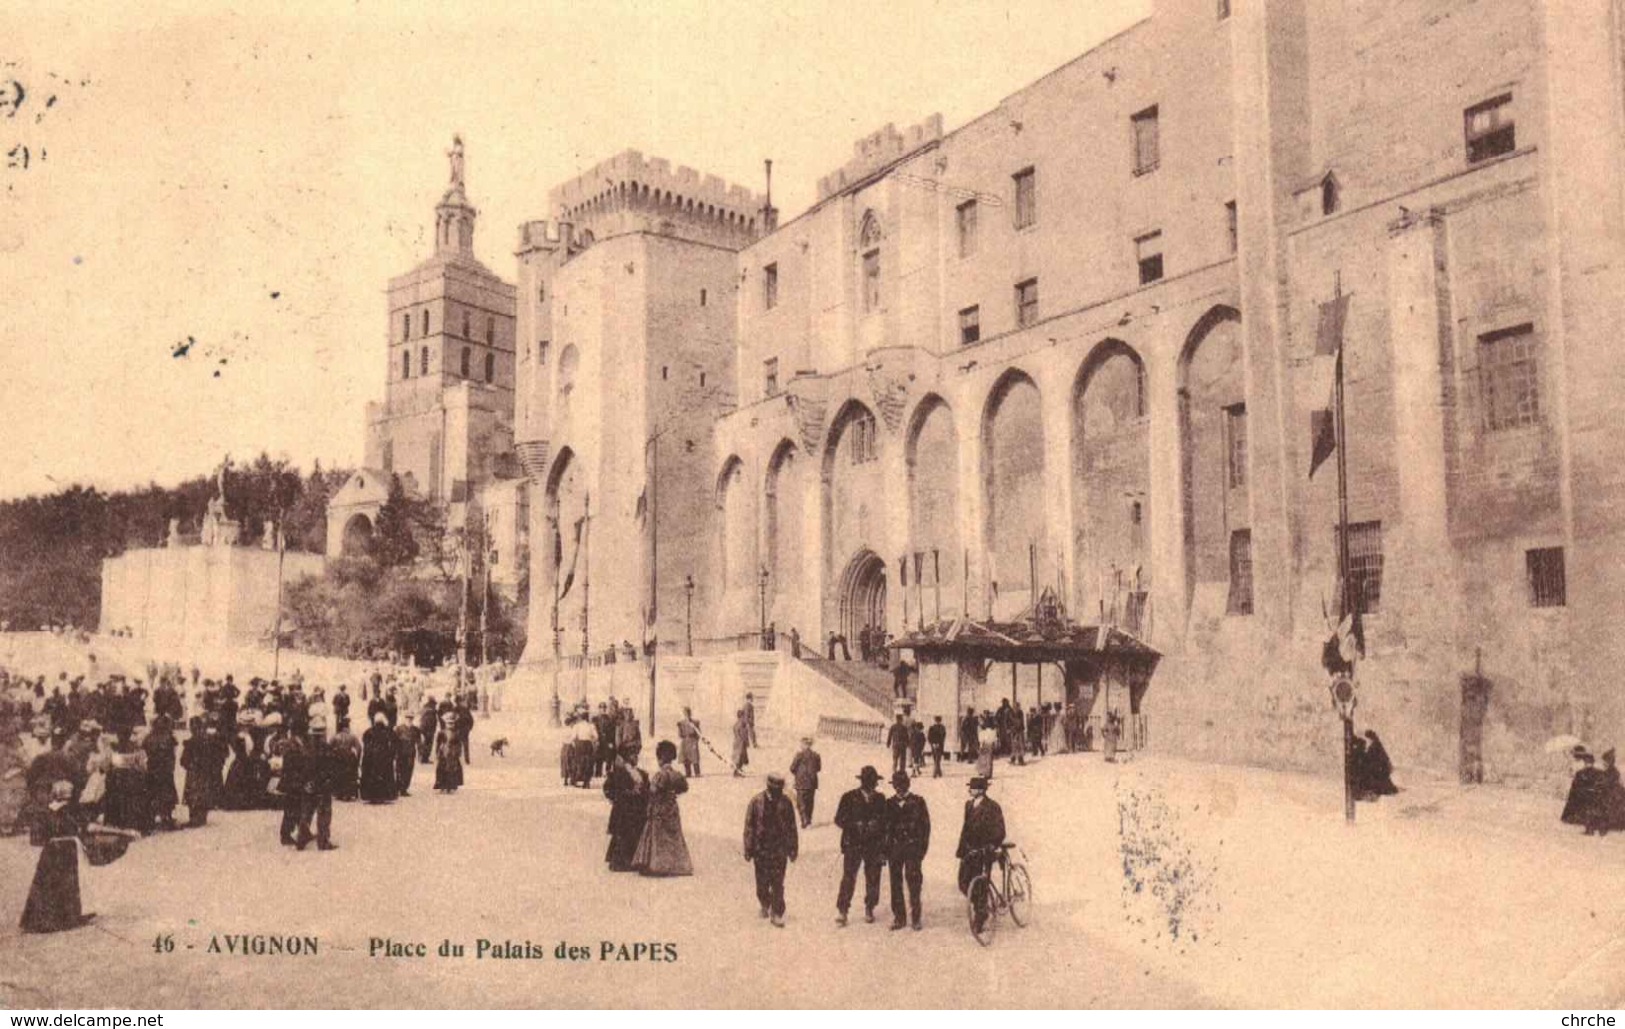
878,149
544,234
629,179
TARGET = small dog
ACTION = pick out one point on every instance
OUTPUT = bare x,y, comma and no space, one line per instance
498,746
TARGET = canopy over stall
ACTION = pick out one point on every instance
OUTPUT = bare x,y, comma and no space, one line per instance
1096,662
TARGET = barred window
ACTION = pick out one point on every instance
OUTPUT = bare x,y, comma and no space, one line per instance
965,219
1490,129
1026,303
1230,224
970,325
1026,182
1147,142
1235,438
1241,573
423,363
406,325
425,323
1509,375
406,363
1548,583
1365,565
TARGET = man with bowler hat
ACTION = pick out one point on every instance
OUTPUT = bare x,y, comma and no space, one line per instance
861,816
979,839
908,837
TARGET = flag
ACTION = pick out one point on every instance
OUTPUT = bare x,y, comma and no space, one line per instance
575,552
1322,425
1329,336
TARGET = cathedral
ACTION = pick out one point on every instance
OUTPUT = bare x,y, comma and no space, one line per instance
1081,347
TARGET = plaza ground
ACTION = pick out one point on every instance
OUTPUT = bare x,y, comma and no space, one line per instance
1159,883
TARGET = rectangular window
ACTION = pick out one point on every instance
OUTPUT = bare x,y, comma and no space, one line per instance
490,368
1148,254
1241,573
871,281
1147,145
1365,565
424,362
1026,303
1235,444
965,220
541,352
702,298
770,377
1230,225
1548,585
770,287
1509,376
406,364
1026,198
970,325
1490,130
491,331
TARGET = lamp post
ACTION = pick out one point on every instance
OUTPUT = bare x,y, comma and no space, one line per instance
761,591
688,613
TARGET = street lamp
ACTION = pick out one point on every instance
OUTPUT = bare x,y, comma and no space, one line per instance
761,589
688,613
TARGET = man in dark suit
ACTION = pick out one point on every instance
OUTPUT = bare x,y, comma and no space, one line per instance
861,816
804,769
937,736
771,842
897,740
979,838
908,837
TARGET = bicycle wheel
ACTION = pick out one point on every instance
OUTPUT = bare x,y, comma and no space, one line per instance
983,896
1020,897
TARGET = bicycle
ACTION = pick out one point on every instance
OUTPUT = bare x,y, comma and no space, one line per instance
986,899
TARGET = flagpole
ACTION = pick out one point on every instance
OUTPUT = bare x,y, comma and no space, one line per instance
1341,437
654,576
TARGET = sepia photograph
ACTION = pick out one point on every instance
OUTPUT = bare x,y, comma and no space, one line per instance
1058,504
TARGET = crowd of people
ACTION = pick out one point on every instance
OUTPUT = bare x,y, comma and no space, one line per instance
1596,800
87,762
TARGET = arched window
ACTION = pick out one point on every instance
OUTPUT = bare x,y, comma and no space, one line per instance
490,367
490,330
467,356
406,325
406,363
870,236
425,323
466,329
423,368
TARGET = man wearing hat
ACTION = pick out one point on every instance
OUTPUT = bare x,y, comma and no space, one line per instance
771,842
804,769
861,816
47,769
937,736
324,767
979,837
897,738
908,837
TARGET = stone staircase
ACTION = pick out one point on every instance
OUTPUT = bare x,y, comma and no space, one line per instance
871,685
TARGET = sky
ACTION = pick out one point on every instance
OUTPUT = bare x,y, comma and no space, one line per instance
193,260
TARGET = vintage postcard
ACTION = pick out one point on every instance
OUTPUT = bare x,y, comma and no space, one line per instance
716,505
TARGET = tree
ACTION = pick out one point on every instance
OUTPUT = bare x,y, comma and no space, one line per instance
393,542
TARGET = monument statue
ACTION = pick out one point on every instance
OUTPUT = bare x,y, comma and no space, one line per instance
174,537
217,529
456,155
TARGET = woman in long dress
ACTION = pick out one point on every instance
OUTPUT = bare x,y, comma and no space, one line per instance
54,900
741,749
662,850
448,757
378,748
627,787
126,804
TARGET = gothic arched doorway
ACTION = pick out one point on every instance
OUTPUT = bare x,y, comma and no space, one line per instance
863,595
